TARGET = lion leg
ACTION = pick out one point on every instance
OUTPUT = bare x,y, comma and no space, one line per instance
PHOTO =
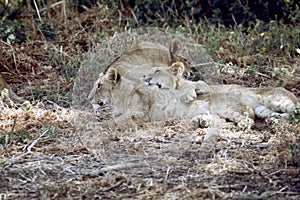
264,112
280,100
244,119
188,95
190,90
280,104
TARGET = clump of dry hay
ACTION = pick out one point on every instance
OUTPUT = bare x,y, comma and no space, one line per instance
157,160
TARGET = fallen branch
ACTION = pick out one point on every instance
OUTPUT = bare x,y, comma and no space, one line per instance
116,168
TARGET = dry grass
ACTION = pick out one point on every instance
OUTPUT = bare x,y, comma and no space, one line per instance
162,160
53,152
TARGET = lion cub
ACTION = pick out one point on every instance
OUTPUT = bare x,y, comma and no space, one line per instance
260,102
132,101
171,78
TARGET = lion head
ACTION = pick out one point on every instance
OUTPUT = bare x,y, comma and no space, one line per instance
112,90
100,95
165,77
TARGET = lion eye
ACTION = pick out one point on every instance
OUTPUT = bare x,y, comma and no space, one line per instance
99,85
156,71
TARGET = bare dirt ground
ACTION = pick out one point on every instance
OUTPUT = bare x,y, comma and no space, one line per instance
51,151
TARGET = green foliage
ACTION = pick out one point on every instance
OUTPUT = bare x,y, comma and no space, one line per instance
70,70
272,37
294,15
20,136
52,132
48,32
52,94
259,39
83,4
229,13
295,150
296,115
12,31
36,93
24,137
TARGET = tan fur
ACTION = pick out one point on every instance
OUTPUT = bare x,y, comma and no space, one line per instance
160,77
140,86
134,101
230,101
138,103
144,56
140,60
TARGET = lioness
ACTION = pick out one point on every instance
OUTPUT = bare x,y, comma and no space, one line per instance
145,55
138,61
138,102
263,102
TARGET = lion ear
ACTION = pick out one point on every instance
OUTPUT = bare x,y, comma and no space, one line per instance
113,75
175,47
175,51
177,68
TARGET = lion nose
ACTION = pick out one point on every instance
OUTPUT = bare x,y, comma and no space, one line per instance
147,80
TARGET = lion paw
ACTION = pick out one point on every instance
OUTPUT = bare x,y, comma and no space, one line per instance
201,87
279,116
192,89
207,120
188,96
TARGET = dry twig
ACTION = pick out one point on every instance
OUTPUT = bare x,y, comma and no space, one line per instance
117,167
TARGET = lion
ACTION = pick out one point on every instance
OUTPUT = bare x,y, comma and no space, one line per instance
141,103
268,102
159,77
146,55
139,60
